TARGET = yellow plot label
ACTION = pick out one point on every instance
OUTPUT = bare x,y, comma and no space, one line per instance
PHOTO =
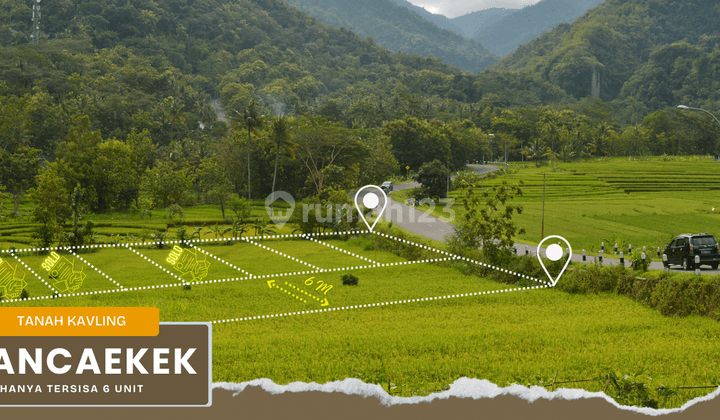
12,280
65,276
189,262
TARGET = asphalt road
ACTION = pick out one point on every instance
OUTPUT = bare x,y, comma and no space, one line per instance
421,223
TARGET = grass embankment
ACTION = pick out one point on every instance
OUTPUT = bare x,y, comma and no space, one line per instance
643,203
410,348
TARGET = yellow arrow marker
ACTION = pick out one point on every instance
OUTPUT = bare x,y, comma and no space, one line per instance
323,302
271,284
292,294
302,291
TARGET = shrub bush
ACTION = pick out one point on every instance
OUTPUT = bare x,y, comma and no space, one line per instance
349,280
637,263
181,233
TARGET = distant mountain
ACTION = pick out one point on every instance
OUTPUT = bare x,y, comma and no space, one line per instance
440,20
523,26
474,23
659,53
399,29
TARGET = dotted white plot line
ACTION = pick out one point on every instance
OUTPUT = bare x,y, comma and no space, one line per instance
95,268
342,250
155,243
465,259
429,248
247,239
507,271
221,260
204,282
97,292
369,305
35,274
282,254
429,260
156,265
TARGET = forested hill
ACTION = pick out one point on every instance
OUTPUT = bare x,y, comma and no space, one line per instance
658,52
155,64
504,36
400,29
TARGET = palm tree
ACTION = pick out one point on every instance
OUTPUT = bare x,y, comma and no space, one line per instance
566,152
281,134
172,115
552,133
218,231
536,151
239,228
602,132
252,120
197,232
159,237
263,227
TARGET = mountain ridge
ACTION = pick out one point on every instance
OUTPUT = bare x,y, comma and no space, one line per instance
505,35
474,23
400,29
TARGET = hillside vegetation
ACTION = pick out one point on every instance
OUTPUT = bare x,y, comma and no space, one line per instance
474,23
656,52
505,35
119,59
399,29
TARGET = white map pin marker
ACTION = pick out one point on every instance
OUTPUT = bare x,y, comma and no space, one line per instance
371,200
554,252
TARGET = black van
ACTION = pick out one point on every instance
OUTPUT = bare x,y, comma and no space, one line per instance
683,249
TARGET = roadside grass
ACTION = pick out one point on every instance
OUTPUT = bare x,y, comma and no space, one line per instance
409,348
642,203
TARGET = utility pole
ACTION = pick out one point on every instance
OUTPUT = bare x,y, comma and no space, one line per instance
447,194
36,22
542,231
506,166
491,139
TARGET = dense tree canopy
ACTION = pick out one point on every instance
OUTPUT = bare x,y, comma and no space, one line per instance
398,29
655,51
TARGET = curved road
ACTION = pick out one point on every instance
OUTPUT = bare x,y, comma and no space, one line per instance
418,222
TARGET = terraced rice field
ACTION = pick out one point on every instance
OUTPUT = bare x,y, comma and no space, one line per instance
643,203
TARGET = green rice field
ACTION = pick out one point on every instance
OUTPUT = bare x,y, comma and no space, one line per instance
642,203
410,348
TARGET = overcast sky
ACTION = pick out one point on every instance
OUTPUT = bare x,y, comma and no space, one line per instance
455,8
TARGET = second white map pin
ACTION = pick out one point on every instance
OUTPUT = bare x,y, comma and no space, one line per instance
371,200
